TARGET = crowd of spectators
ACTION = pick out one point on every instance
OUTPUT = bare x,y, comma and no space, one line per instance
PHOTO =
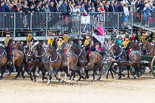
70,6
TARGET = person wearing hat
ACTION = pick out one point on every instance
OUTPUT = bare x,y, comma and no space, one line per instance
67,39
29,38
119,41
61,42
143,37
126,45
51,42
7,43
87,45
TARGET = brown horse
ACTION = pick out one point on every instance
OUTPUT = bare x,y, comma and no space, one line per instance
94,59
150,50
34,55
3,60
120,56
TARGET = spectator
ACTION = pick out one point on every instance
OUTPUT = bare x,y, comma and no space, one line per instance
69,7
92,5
115,5
64,7
126,13
82,9
97,47
25,8
120,8
101,9
31,9
80,44
88,5
101,31
75,10
112,7
51,7
2,8
147,11
57,9
37,8
106,6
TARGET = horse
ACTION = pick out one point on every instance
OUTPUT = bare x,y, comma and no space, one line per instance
94,59
150,50
3,60
34,55
120,59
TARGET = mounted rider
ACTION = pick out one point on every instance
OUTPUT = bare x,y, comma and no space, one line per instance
52,42
143,37
126,45
8,46
67,39
29,38
87,45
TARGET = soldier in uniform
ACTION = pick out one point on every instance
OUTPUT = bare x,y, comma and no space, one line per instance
67,39
87,45
61,43
7,43
143,37
52,42
29,38
126,45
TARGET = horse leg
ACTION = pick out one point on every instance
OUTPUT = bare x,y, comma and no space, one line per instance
87,75
10,69
50,76
18,72
31,70
128,68
107,74
2,72
94,72
34,75
22,72
112,74
43,75
119,73
72,73
78,72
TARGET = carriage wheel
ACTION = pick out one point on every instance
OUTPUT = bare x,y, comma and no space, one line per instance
133,71
153,66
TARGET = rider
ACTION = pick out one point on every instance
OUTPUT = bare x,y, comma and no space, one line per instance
29,38
51,41
7,43
143,37
87,45
126,45
67,39
61,42
119,41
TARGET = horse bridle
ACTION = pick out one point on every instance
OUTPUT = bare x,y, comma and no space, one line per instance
54,59
3,52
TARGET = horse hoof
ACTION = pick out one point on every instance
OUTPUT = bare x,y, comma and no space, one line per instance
63,81
136,77
106,77
128,77
112,77
68,81
23,77
34,81
68,75
15,78
59,79
48,82
74,79
8,74
44,81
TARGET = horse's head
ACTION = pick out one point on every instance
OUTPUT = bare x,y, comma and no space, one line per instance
135,46
146,44
51,50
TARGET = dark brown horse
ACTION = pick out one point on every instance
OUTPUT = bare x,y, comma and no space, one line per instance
94,59
3,60
120,56
150,50
34,55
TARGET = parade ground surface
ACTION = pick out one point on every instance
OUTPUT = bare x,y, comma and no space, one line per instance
131,90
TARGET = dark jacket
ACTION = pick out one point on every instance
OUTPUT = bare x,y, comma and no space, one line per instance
112,8
2,9
63,8
120,9
106,8
51,9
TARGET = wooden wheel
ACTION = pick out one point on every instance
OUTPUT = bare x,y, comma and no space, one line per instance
153,66
137,73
